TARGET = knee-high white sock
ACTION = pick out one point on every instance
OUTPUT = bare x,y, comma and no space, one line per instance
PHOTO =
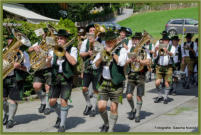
12,111
112,122
64,113
87,98
138,108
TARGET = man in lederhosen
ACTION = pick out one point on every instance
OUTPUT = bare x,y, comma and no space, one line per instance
136,79
42,78
164,68
13,86
62,72
188,50
112,80
124,34
177,63
90,74
150,48
196,64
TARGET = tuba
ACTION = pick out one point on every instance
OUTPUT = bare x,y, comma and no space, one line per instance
38,59
139,53
10,53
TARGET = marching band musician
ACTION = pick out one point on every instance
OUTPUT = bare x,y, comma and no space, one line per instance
196,64
62,72
124,34
177,62
164,67
150,48
43,76
90,74
13,86
112,80
188,50
136,79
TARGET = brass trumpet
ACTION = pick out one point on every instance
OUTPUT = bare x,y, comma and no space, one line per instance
161,51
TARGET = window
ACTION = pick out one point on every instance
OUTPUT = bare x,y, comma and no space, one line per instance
191,22
177,22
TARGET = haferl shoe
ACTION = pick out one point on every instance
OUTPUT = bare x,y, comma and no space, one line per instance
137,119
165,101
42,108
61,129
5,119
158,99
47,111
57,122
10,124
131,115
92,113
87,110
104,128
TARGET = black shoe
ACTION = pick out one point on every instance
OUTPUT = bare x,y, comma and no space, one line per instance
165,101
92,113
5,119
131,115
47,111
57,122
157,100
104,128
90,96
61,129
10,124
87,110
42,108
137,119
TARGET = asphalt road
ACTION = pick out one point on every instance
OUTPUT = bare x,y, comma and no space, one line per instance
179,115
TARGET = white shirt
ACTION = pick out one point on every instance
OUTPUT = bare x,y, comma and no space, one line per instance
165,60
152,48
185,52
129,45
73,53
83,46
106,71
176,57
26,63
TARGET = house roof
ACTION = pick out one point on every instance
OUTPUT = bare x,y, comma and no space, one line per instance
20,10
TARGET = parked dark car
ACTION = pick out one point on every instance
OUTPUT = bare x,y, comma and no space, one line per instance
175,26
110,25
